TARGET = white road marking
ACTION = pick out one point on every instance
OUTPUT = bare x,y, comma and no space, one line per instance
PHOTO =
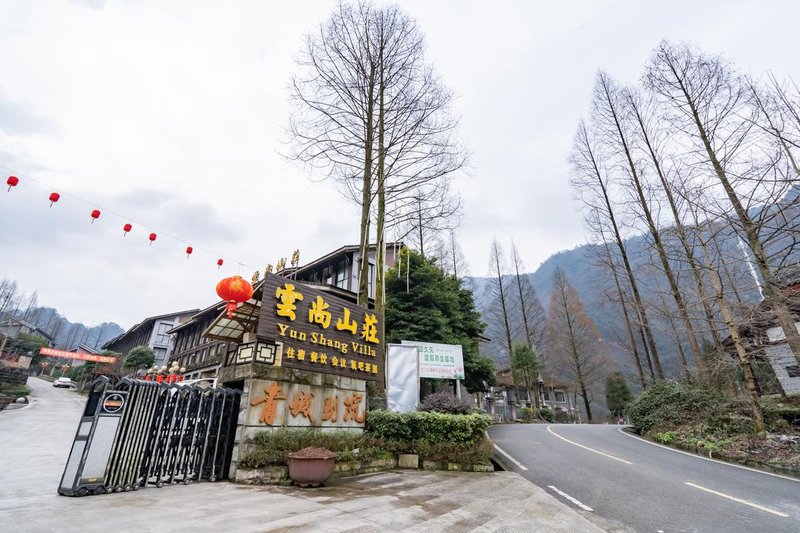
587,448
519,465
570,498
739,500
708,458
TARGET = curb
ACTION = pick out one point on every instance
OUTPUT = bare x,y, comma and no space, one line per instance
756,465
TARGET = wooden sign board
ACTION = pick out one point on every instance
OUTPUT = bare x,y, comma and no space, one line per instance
320,332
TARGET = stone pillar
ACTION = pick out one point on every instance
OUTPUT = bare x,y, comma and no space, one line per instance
275,398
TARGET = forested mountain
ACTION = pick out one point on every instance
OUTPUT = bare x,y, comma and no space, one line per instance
67,335
586,270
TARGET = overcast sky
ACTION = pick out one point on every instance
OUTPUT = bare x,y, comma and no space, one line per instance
172,113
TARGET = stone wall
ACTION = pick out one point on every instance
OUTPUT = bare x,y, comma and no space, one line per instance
275,397
13,374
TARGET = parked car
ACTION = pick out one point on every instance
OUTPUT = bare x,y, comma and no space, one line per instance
63,382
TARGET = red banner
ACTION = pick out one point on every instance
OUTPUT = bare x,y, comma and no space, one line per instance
74,355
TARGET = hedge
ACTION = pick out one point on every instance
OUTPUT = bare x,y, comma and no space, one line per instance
428,427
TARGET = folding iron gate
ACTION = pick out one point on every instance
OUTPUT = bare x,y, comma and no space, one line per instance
140,433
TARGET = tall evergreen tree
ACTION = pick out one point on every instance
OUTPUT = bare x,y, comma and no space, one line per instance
436,308
618,394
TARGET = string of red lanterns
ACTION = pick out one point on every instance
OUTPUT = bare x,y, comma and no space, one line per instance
13,181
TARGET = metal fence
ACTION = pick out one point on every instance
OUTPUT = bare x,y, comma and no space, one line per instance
137,434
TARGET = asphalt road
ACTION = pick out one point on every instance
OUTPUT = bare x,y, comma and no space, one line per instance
623,483
35,442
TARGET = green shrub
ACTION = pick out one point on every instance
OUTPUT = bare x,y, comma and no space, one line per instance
445,402
428,427
456,453
668,404
728,424
775,410
531,414
271,447
13,390
666,437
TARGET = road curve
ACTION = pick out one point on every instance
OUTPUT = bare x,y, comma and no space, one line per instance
627,484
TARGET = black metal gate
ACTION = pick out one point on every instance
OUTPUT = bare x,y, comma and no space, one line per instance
141,433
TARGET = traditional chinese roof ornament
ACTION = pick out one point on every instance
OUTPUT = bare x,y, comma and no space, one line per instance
234,290
281,264
256,277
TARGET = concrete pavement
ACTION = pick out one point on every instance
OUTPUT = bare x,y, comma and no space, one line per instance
634,485
36,442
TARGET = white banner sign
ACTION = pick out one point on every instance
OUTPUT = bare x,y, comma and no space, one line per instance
402,378
440,361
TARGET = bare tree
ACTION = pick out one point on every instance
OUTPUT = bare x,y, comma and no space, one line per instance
371,114
592,186
706,103
728,317
529,308
497,296
607,259
574,340
612,114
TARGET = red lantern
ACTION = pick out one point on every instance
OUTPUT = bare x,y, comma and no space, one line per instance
189,251
54,196
95,215
234,290
126,228
219,263
152,238
12,182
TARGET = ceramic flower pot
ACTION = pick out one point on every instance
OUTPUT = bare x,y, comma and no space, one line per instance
310,467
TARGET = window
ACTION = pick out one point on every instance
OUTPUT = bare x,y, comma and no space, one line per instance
546,396
793,371
371,281
161,356
560,397
341,274
161,333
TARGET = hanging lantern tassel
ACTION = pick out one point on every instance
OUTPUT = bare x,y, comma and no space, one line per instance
12,181
189,251
234,290
95,215
54,196
219,263
152,238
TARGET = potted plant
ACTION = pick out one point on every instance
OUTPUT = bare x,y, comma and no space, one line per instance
311,466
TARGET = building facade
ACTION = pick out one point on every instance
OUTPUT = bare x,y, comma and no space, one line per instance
151,332
340,268
202,356
12,327
765,341
199,355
